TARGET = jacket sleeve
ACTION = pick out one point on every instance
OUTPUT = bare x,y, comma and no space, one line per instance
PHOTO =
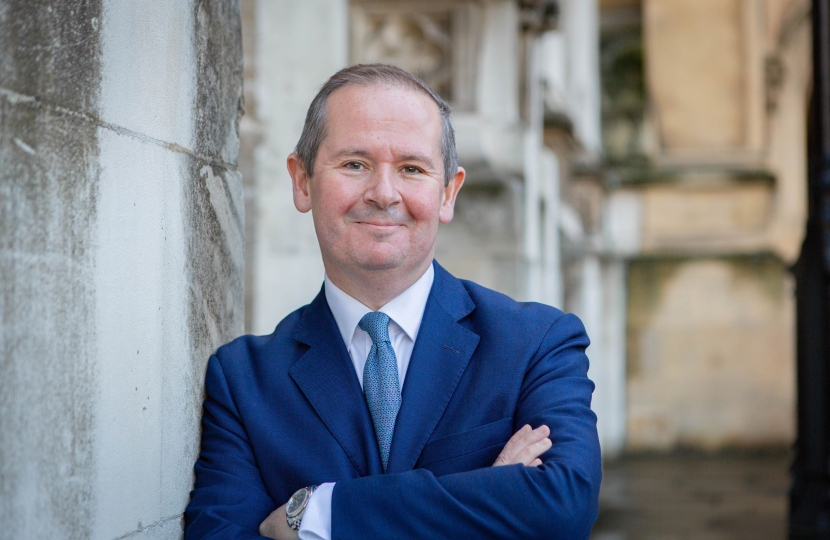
556,500
229,499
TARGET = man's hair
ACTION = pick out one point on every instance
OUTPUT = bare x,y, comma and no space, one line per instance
315,128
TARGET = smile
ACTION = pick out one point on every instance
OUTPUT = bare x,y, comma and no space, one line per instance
380,226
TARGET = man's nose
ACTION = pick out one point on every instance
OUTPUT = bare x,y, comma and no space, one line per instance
383,189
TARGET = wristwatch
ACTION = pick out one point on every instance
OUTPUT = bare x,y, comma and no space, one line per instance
295,508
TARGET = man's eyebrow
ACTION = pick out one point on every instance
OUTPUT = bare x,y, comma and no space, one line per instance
418,157
347,152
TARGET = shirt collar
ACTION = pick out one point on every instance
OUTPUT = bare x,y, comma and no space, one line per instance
406,309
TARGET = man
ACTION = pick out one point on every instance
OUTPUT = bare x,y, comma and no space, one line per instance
379,408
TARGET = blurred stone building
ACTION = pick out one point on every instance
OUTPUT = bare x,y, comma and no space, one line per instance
639,163
704,112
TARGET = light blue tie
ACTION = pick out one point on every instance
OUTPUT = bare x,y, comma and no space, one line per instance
380,381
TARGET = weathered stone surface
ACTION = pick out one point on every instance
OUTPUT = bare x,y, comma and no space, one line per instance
697,217
48,189
171,227
214,202
695,68
121,255
714,219
791,30
48,182
149,74
219,102
215,264
52,50
710,353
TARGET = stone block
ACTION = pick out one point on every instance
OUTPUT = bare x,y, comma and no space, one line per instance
695,216
695,71
150,89
710,353
48,373
52,50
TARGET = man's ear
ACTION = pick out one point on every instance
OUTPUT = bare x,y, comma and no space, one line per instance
449,194
299,183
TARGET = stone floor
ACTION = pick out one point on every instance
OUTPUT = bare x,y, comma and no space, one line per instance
686,496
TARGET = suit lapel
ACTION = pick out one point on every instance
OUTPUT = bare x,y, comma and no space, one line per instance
326,376
441,354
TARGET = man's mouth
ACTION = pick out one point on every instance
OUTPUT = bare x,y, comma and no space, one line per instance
379,225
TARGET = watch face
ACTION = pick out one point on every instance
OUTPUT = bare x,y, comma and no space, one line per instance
295,504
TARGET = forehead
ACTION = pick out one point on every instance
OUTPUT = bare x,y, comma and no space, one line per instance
382,113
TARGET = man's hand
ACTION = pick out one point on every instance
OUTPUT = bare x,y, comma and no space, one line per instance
276,526
525,446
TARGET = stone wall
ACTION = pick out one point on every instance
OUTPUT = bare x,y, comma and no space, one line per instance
710,353
121,254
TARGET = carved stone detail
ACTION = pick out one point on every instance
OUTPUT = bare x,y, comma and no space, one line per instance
436,41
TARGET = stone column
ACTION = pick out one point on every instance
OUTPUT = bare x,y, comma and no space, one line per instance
610,395
532,228
299,45
121,254
580,22
551,245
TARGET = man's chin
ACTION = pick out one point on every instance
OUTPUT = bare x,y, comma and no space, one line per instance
382,258
379,261
379,264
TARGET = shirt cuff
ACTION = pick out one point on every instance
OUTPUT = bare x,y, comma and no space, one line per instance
316,524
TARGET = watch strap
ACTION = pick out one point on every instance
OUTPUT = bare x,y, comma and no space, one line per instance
295,521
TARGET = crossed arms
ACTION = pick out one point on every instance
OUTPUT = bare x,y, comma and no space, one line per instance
523,448
556,498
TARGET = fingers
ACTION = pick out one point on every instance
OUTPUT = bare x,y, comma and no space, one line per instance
531,453
523,438
525,447
514,445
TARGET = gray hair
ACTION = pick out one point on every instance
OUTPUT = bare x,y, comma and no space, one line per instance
314,130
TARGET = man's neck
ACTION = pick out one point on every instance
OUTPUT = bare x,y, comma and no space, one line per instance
375,288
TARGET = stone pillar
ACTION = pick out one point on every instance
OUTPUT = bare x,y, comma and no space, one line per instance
551,245
580,21
299,46
121,254
610,394
532,182
712,223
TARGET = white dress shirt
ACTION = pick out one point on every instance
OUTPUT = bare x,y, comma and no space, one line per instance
405,313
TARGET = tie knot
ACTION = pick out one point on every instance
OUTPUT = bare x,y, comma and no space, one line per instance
376,324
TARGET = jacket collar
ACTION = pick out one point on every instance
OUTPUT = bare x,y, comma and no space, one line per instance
439,358
406,310
327,378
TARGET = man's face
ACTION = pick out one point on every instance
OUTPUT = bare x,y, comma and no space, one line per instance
377,193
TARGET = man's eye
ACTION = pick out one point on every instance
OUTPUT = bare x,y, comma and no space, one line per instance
354,165
410,169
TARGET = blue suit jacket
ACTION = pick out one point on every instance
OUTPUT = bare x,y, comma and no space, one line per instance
286,410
